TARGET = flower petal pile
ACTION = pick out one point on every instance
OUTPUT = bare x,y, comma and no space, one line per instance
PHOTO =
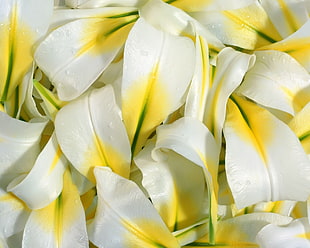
154,123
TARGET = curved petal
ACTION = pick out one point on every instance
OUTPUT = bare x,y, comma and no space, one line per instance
180,193
19,142
296,234
230,70
74,55
13,214
19,30
125,217
277,81
102,3
44,182
264,159
90,136
61,224
157,71
286,15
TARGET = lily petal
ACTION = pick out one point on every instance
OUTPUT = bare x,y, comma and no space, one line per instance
61,224
157,71
44,182
180,193
80,44
264,159
103,3
125,217
296,234
277,81
19,30
90,136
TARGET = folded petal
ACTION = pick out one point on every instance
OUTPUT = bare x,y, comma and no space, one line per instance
19,30
102,3
74,55
125,217
277,81
264,159
94,136
44,182
296,234
180,193
157,70
61,224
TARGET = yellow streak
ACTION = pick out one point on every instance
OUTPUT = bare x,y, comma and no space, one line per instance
289,17
55,160
304,235
191,5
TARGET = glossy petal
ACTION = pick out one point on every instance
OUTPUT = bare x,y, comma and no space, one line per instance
19,30
44,182
90,136
296,234
61,224
277,81
248,27
180,193
125,217
229,72
264,159
102,3
19,146
286,15
13,214
157,70
80,44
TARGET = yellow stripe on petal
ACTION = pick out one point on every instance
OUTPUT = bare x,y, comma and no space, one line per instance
190,5
304,235
292,22
56,159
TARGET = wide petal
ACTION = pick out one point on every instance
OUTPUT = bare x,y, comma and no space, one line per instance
277,81
94,136
19,30
44,182
180,193
264,159
19,146
125,217
74,55
61,224
296,234
157,70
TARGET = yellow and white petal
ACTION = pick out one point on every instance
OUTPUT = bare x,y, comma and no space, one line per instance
179,194
230,70
297,45
44,182
19,30
277,81
125,217
264,159
248,27
286,15
296,234
13,214
300,125
158,68
19,146
74,55
103,3
61,224
92,136
241,231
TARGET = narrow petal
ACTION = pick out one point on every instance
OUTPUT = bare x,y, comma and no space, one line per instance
125,217
157,70
44,182
19,142
19,30
102,3
61,224
90,136
230,70
180,194
13,214
264,159
296,234
80,44
277,81
248,27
